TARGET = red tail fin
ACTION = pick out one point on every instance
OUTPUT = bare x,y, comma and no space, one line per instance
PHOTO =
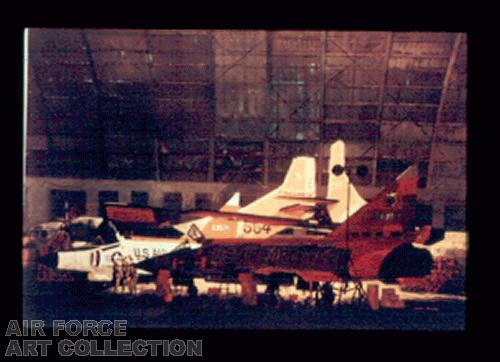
390,214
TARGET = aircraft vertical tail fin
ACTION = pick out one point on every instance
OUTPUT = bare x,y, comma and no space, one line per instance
339,187
300,179
233,204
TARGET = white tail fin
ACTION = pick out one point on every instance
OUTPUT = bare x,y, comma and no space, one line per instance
233,204
338,186
300,179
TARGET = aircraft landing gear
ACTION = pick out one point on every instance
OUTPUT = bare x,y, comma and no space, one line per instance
272,293
359,296
192,290
327,295
356,292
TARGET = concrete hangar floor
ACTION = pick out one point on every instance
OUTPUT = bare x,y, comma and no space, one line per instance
81,300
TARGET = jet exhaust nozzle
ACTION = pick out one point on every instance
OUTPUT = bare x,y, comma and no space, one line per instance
406,261
437,234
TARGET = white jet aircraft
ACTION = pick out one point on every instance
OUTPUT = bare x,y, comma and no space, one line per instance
271,214
287,206
97,261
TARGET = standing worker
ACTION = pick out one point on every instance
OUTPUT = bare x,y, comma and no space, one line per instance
61,241
126,272
133,277
117,273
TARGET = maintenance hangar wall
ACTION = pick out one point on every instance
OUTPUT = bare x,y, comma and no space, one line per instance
42,195
213,112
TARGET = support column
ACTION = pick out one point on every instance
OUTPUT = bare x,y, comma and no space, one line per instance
211,141
104,168
266,162
164,286
211,159
439,114
373,300
270,104
323,69
320,146
156,145
380,111
156,153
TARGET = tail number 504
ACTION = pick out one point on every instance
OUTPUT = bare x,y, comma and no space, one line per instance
256,228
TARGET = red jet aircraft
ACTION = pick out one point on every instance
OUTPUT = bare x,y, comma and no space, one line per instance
373,243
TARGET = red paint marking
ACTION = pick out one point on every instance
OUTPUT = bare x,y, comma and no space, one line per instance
127,214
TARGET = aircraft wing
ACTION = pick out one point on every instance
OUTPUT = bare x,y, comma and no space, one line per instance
308,275
270,220
315,200
297,210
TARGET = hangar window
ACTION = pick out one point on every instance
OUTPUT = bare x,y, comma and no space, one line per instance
65,202
423,214
389,169
396,235
357,131
355,235
454,217
366,234
379,235
106,196
203,201
173,204
238,161
140,198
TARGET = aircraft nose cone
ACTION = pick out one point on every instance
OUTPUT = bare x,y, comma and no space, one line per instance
49,260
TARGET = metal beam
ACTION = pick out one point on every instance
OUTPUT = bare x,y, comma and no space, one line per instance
90,59
211,159
269,103
156,142
149,53
320,165
211,144
39,83
266,162
97,85
323,69
269,75
439,114
380,109
241,59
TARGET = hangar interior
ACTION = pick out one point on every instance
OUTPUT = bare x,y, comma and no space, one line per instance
183,118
